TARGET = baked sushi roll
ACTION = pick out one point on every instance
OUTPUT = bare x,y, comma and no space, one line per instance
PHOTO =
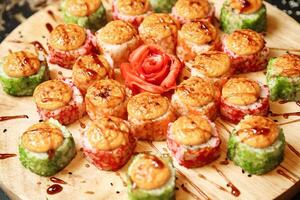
249,14
283,77
162,6
86,13
132,11
67,42
193,140
243,96
60,100
21,72
196,38
247,50
108,143
88,69
149,115
256,145
198,96
151,177
117,39
106,98
160,29
46,148
192,10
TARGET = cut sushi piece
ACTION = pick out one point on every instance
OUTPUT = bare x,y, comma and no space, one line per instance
21,72
109,143
106,98
151,177
196,38
132,11
193,140
247,50
256,145
86,13
196,95
160,29
90,68
149,115
46,148
162,6
283,77
237,14
243,96
192,10
59,99
117,40
67,42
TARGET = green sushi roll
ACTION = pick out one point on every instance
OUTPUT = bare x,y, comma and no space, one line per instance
46,148
21,72
283,77
91,14
151,177
243,15
162,6
256,145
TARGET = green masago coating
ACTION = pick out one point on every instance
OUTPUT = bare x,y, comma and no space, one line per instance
231,20
162,6
39,163
282,87
166,192
94,21
256,160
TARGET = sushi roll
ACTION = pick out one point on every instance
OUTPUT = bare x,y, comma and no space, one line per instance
243,96
196,95
196,38
246,14
59,99
149,115
283,75
108,143
46,148
117,39
106,98
21,72
89,69
160,29
256,145
247,50
132,11
192,10
67,42
151,177
194,141
86,13
162,6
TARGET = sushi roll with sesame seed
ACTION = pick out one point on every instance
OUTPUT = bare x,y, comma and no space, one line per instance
21,72
46,148
283,75
162,6
59,99
246,14
243,96
149,115
108,143
256,145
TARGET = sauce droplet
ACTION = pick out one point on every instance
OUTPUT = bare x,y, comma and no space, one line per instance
54,189
49,27
51,14
57,180
4,118
7,155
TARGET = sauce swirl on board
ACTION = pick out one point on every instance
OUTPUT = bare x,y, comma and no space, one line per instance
5,118
7,155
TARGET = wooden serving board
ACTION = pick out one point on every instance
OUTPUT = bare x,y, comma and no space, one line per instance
84,181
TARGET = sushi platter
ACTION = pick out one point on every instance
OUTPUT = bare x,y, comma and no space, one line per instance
51,130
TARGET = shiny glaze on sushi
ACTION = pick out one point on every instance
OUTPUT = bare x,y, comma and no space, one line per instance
287,65
133,7
82,8
246,6
192,9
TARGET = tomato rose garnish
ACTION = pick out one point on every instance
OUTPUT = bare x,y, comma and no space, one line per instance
150,69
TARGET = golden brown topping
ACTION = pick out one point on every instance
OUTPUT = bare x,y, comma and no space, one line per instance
241,91
42,137
246,6
192,9
67,37
257,131
82,8
21,64
52,95
133,7
287,65
245,42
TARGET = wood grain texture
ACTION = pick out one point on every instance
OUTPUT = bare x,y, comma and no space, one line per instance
87,182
